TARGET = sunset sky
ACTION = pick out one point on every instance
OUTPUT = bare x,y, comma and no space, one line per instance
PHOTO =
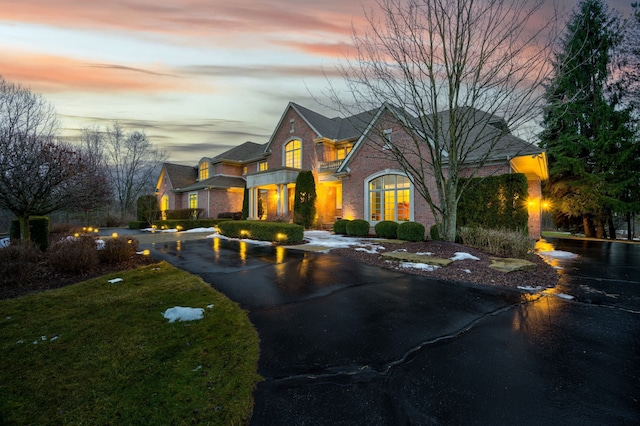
199,76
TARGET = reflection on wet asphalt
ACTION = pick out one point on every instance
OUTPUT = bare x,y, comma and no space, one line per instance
346,343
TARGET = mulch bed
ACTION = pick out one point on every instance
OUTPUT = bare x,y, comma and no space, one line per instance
543,276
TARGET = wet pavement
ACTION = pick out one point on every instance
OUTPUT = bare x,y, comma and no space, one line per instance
347,343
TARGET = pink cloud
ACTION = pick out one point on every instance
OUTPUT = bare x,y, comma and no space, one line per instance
187,17
56,73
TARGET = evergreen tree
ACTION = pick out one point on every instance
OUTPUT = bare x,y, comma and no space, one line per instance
587,133
304,203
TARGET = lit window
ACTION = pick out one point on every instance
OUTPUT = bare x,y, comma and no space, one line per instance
204,170
244,170
342,152
262,166
389,198
292,151
193,200
164,203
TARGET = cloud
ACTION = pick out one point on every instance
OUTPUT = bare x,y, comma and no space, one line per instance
187,17
52,73
257,71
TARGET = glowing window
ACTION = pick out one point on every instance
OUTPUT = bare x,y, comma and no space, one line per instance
204,170
262,166
292,154
342,152
193,200
390,198
164,203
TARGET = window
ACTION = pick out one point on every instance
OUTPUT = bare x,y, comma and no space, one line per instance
164,203
204,170
292,151
292,123
193,200
244,170
262,166
390,198
342,152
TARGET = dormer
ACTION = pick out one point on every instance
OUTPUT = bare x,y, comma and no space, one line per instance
203,169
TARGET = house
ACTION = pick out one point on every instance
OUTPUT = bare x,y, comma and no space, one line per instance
355,178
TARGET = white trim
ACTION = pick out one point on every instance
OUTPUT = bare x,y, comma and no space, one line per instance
366,197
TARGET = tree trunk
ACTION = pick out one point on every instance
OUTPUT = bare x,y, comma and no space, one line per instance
612,228
25,228
587,224
600,231
629,228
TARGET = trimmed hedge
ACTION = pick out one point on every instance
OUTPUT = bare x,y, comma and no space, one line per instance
358,228
139,224
434,232
387,229
411,231
262,231
184,214
186,224
230,215
39,228
495,202
340,226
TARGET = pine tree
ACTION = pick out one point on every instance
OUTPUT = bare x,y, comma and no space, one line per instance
587,133
304,204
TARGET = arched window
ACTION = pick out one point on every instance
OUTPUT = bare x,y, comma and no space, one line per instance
204,170
292,154
164,203
390,198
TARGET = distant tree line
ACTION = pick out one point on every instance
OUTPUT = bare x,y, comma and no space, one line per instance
41,173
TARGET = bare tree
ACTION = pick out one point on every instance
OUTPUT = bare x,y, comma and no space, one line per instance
447,69
131,160
38,173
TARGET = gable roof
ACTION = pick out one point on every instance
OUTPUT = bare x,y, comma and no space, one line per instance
245,152
179,175
216,182
488,138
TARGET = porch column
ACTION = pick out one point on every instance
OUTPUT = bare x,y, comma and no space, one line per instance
285,200
279,199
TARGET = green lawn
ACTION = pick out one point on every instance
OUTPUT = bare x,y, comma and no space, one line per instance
101,353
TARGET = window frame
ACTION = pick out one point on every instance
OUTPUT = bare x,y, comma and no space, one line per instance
293,152
203,168
368,198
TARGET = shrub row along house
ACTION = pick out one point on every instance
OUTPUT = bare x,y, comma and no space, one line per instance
354,177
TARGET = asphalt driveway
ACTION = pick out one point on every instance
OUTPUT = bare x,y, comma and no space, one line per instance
346,343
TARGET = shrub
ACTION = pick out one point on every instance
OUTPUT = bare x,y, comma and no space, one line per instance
184,214
245,205
19,261
358,228
139,224
498,242
434,232
230,215
73,255
263,231
387,229
304,203
186,224
147,208
411,231
39,228
118,249
340,226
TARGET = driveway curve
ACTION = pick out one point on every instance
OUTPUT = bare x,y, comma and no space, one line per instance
347,343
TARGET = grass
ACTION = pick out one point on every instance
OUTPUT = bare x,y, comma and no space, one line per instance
101,353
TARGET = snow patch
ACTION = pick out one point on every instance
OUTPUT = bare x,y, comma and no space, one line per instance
4,242
529,288
565,296
424,253
115,280
180,313
558,254
460,255
100,244
421,266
